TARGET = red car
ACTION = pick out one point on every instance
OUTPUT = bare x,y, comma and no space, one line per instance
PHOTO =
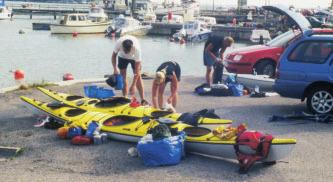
263,58
259,58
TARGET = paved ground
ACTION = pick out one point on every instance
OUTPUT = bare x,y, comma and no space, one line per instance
48,158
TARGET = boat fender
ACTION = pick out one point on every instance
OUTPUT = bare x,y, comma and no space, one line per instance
67,76
250,147
62,132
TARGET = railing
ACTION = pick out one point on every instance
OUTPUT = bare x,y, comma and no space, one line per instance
47,6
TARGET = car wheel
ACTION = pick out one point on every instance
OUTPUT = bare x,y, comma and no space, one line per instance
320,100
265,68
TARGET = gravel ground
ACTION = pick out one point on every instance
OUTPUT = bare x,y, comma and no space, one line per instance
45,157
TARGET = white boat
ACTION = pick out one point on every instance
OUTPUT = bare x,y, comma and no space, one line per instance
209,21
97,14
179,7
193,31
174,19
145,11
78,23
127,26
259,35
5,13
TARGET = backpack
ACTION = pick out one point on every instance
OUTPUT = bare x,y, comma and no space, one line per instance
218,73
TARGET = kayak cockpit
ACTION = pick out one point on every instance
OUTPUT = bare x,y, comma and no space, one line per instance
196,131
157,114
74,112
73,98
112,102
120,120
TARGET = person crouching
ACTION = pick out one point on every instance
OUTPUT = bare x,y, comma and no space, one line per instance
166,72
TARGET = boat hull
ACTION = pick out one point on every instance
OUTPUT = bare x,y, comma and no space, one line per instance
199,37
86,29
136,32
277,151
122,109
5,16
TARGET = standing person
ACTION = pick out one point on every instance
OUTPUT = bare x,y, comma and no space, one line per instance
215,46
167,72
128,50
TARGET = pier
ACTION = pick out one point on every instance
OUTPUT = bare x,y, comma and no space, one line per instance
51,9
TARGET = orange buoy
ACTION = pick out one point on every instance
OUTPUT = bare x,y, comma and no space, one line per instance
62,132
67,76
19,75
75,34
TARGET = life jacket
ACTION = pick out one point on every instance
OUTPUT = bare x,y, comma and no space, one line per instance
258,145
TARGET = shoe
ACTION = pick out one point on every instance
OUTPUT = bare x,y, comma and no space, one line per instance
144,102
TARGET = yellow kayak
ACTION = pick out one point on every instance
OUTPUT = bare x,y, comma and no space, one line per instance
120,106
199,140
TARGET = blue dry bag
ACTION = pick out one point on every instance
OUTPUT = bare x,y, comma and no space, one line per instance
167,151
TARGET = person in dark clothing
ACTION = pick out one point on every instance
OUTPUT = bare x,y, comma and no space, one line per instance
214,48
166,72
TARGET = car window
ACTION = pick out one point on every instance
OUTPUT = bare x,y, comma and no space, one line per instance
283,39
311,52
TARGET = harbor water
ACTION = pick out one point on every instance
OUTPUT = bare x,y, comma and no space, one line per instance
43,56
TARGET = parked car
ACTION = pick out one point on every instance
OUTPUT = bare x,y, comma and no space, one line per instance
305,71
264,58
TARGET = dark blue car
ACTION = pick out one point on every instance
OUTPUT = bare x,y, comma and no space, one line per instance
305,70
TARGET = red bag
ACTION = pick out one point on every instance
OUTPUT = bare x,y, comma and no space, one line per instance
252,140
81,140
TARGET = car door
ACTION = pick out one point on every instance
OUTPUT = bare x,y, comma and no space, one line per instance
330,64
305,63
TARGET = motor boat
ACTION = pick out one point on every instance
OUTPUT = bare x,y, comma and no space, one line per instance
209,21
174,19
127,26
5,12
193,31
145,11
97,14
78,23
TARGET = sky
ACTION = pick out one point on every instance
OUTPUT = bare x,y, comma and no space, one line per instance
296,3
